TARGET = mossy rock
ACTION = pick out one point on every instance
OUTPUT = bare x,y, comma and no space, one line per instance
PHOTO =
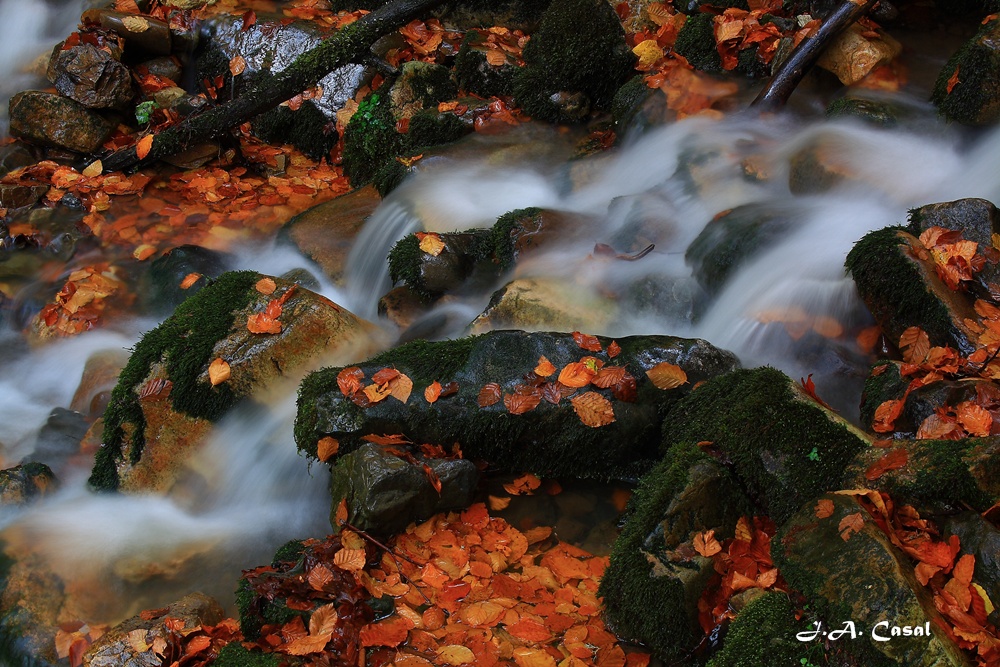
420,85
548,440
476,75
901,289
164,402
784,447
307,128
371,139
864,579
939,476
727,243
167,272
628,99
884,383
763,635
235,655
579,48
650,590
871,112
696,42
975,98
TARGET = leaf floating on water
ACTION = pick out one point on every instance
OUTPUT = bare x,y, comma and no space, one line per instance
524,485
498,503
593,409
218,371
327,447
665,375
431,244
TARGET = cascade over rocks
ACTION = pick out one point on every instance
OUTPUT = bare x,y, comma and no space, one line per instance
550,439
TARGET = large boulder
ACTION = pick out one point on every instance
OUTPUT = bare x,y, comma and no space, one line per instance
52,120
977,219
497,412
165,401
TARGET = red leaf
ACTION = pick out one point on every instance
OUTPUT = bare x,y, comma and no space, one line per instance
489,395
349,380
249,18
892,460
587,342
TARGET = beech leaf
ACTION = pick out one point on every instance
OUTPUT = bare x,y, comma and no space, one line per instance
218,371
665,375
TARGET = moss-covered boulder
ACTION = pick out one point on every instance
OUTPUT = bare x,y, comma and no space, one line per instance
578,51
325,233
785,448
763,635
165,403
977,219
884,383
696,42
896,279
420,85
937,476
864,579
873,112
385,492
550,439
476,75
538,304
164,287
728,242
651,588
24,483
968,87
119,646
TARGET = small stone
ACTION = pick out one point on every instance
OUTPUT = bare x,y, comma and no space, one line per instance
92,77
852,56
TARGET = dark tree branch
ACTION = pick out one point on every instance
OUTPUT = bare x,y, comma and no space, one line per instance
350,44
790,73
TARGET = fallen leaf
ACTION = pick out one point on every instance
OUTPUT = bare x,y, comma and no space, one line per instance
189,280
266,286
498,503
260,323
576,374
489,395
385,375
237,65
349,380
143,146
519,403
395,439
593,409
453,654
523,485
400,387
135,24
432,244
375,393
432,392
665,375
144,252
850,524
388,632
914,344
824,508
587,342
93,169
706,544
218,371
892,460
350,559
544,368
326,447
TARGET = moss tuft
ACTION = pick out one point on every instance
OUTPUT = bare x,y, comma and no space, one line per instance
763,635
879,114
289,552
880,386
404,265
769,433
888,281
628,98
696,42
371,139
477,76
235,655
579,47
184,343
430,128
505,232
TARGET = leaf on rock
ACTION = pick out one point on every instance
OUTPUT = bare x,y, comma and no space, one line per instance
518,403
914,344
349,380
376,393
143,146
851,524
385,375
609,376
894,459
135,24
614,349
824,508
544,368
886,415
593,409
665,375
395,439
189,280
237,65
431,244
266,286
587,342
350,559
706,544
489,395
260,323
400,387
326,447
576,374
218,371
340,515
432,392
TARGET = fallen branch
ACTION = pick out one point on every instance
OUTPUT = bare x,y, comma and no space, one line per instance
350,44
790,73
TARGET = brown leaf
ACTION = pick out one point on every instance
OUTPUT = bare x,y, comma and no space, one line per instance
544,368
495,57
518,403
319,576
974,418
218,371
396,439
593,409
614,349
385,375
706,544
665,375
350,559
609,376
892,460
824,508
266,286
237,65
850,524
587,342
489,395
886,415
914,344
432,392
326,447
449,389
349,380
400,387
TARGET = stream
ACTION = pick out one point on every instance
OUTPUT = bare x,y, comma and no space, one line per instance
140,552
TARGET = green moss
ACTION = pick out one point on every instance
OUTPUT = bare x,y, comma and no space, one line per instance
289,552
937,476
234,655
371,139
256,611
768,432
389,177
973,99
880,386
641,606
628,98
504,235
426,83
404,265
879,114
431,128
749,65
696,42
470,254
184,343
893,287
763,635
475,75
579,47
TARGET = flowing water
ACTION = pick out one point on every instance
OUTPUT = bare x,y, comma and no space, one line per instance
138,552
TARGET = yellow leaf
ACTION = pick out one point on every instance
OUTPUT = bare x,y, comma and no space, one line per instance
985,597
593,409
648,52
400,387
237,65
144,252
432,244
93,169
326,447
218,371
350,559
135,24
666,376
453,654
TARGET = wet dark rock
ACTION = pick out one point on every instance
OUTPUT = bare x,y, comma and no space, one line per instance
977,219
939,476
763,634
476,75
548,440
546,304
652,584
18,196
59,439
164,403
119,647
166,67
325,233
978,537
672,297
100,374
401,306
302,278
872,112
167,272
727,243
24,483
974,98
764,425
864,579
16,155
385,493
52,120
902,289
31,598
92,77
815,168
151,37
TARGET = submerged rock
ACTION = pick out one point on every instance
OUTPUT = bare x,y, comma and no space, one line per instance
100,374
536,304
52,120
168,282
59,439
165,402
550,439
24,483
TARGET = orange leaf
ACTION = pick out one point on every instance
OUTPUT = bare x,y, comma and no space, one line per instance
400,387
350,559
388,632
395,439
666,376
593,409
523,485
518,403
706,544
976,420
266,286
609,376
433,392
384,375
892,460
529,630
143,146
482,614
218,371
824,508
93,169
886,414
376,393
319,576
431,244
587,342
259,323
851,524
614,349
914,344
326,447
489,395
237,65
952,82
189,280
349,380
340,515
544,368
498,503
576,374
453,654
964,569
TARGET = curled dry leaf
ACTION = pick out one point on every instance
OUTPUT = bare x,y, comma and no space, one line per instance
665,375
266,286
593,409
326,447
431,244
218,371
544,368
